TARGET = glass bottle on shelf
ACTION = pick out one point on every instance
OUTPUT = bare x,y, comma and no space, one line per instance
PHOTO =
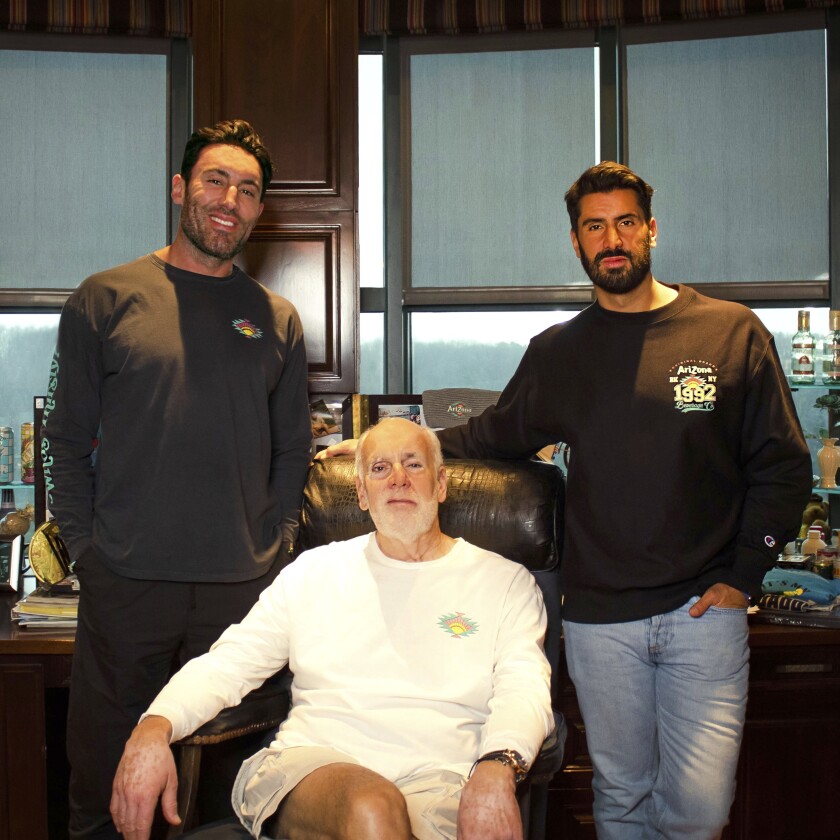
803,347
831,350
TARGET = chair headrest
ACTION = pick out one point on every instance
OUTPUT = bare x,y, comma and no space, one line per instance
447,407
514,508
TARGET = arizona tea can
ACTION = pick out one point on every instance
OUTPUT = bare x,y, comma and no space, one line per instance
7,455
27,453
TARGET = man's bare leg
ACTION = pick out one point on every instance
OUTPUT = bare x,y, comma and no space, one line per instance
343,802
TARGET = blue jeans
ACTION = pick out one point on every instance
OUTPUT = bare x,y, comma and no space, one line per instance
663,701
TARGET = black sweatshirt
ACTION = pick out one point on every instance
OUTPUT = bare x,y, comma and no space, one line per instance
196,389
688,466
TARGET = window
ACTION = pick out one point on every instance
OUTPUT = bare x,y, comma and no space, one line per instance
727,119
732,132
26,348
86,131
472,349
496,137
86,125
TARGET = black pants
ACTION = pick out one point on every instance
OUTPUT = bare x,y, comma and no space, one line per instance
132,635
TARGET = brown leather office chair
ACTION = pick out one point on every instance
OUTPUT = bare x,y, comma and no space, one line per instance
514,508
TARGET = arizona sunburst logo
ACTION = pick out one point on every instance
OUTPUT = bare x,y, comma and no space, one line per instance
247,328
695,384
457,625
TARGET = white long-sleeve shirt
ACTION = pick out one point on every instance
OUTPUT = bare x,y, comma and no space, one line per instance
404,666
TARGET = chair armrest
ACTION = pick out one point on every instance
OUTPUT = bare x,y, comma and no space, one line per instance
549,760
264,708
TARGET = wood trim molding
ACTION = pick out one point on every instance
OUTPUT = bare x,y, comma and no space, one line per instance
795,293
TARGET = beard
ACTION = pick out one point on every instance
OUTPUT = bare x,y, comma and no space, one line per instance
407,527
619,281
210,242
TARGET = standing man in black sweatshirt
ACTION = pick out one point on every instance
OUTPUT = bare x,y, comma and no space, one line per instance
176,445
688,473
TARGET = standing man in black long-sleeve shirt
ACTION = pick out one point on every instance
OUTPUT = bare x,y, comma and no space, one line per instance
688,473
191,379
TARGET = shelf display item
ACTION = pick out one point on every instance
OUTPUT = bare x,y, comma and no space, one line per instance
813,543
828,458
17,521
27,453
7,455
831,350
803,347
48,555
7,501
10,551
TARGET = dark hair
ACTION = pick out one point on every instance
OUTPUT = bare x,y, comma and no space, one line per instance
606,177
228,133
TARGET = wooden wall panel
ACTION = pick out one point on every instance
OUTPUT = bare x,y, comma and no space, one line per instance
290,67
304,259
23,761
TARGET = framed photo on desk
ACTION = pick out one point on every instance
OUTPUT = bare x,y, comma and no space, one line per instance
11,549
360,411
407,406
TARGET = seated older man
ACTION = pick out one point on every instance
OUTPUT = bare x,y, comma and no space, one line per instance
420,690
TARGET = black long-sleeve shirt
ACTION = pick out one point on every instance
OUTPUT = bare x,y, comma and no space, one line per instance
195,388
688,465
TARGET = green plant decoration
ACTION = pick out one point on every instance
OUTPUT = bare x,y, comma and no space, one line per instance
830,402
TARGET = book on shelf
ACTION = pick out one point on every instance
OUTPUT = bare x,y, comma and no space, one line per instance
55,604
47,624
64,610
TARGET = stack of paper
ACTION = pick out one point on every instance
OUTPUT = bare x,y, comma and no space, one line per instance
49,607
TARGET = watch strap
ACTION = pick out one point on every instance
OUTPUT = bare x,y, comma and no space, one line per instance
509,757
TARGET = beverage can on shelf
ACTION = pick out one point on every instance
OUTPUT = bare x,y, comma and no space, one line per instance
7,455
27,453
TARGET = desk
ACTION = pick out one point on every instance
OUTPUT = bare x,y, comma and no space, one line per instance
32,665
788,775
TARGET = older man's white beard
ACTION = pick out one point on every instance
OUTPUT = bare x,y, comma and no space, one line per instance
407,527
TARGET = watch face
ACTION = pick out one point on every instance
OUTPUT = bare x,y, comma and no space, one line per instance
517,762
48,555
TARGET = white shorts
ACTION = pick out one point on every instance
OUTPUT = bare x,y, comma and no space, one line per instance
432,797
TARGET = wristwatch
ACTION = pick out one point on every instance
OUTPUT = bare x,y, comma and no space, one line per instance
509,757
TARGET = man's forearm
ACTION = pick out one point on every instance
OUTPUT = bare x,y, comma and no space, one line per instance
146,773
488,809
